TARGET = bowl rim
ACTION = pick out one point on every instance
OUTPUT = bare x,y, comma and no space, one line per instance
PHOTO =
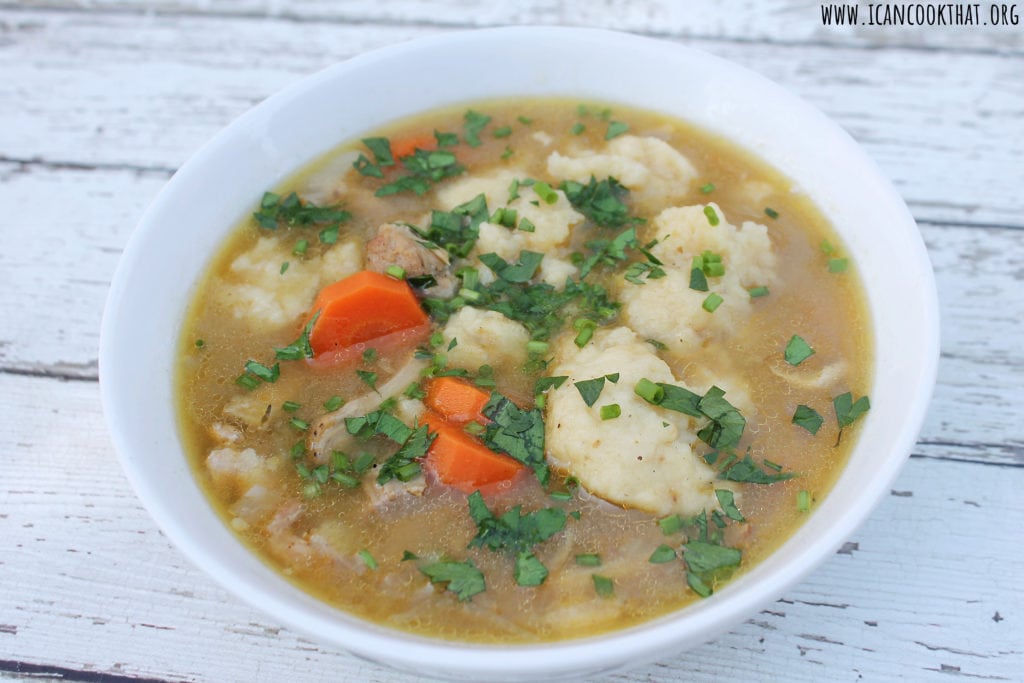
659,637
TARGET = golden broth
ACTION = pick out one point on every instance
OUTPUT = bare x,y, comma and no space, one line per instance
824,307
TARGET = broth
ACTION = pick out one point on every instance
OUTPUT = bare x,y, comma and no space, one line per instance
399,554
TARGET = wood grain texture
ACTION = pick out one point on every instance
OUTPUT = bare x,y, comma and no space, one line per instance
103,99
954,153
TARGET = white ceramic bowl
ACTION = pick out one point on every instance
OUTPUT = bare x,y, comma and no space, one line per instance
212,192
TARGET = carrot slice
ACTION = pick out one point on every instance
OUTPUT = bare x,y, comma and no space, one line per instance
458,401
407,146
459,460
361,307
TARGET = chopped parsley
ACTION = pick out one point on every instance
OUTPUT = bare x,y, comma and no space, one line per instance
745,470
808,418
797,350
708,564
516,432
662,554
424,168
457,230
474,124
291,211
600,201
727,500
615,129
461,578
590,389
516,533
849,411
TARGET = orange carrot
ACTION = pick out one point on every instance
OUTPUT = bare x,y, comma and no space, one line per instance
407,146
456,400
361,307
463,462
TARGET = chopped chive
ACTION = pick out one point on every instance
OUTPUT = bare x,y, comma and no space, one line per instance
526,225
333,403
578,128
712,302
525,120
544,191
771,213
708,188
610,411
369,355
662,554
290,406
771,465
298,449
536,346
301,425
561,495
507,152
709,211
803,500
474,428
759,291
409,555
584,331
649,391
300,247
540,401
827,248
588,560
284,267
502,132
367,559
247,381
397,272
837,265
200,343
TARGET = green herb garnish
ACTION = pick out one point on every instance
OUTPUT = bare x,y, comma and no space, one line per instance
461,578
808,418
797,350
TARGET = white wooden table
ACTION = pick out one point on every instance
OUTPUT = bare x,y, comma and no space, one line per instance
101,100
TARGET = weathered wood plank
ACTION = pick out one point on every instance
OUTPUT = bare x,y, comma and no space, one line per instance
776,21
922,590
188,76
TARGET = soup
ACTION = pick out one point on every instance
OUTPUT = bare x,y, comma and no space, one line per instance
524,371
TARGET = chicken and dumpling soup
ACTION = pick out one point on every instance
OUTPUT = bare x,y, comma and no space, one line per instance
524,371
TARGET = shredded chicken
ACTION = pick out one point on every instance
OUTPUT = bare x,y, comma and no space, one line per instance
397,245
330,434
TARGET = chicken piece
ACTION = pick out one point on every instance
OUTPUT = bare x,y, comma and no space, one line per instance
381,495
396,245
330,433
